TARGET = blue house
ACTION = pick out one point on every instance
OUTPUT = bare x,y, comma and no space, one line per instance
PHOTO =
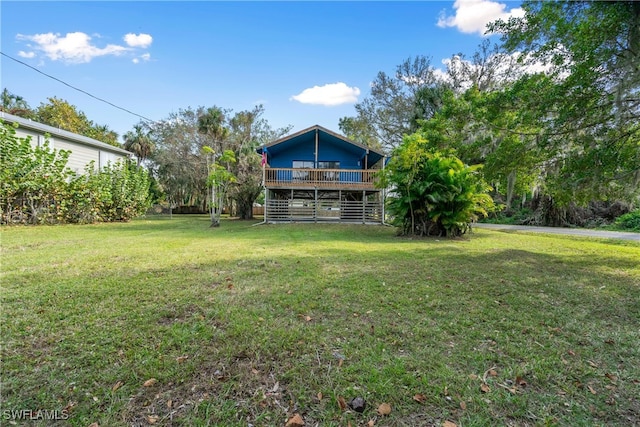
319,175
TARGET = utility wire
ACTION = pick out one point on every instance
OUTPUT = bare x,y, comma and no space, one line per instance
75,88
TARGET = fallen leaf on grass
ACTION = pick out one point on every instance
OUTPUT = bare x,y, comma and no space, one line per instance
420,398
319,395
169,403
591,390
384,409
484,387
307,318
611,377
181,359
493,373
520,382
511,390
463,405
342,404
295,421
117,385
152,419
150,382
449,424
371,423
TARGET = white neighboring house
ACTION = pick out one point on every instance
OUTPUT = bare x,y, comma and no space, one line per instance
83,149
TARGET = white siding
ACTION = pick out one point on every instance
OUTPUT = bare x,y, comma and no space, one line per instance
106,158
80,155
35,136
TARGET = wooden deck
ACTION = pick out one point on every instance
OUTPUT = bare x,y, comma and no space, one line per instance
345,179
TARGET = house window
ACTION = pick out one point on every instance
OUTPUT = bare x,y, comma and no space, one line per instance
329,165
301,175
329,175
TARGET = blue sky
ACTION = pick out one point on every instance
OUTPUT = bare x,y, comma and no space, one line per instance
307,62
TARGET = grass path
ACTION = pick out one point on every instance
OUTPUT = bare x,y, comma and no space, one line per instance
245,325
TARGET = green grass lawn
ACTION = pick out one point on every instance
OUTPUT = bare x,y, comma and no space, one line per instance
243,325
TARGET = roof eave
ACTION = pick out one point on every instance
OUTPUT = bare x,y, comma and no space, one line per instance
325,130
41,127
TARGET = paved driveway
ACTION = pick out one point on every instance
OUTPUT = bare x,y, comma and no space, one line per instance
568,231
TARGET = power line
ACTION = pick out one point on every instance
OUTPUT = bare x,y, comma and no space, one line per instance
75,88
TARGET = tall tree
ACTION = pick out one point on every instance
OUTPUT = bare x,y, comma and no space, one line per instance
177,161
15,104
389,112
591,114
488,69
61,114
359,130
212,124
184,167
138,142
248,130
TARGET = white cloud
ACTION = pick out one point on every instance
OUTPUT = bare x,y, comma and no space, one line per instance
73,47
78,47
329,95
138,40
472,16
144,57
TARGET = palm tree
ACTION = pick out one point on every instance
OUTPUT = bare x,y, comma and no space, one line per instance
138,142
15,104
212,124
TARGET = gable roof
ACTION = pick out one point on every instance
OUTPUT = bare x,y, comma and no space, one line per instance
61,133
324,134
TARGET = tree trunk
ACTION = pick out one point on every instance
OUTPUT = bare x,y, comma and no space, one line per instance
245,208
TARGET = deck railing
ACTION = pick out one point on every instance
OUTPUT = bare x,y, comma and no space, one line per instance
320,178
367,211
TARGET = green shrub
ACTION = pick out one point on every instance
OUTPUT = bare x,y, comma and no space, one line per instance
629,221
37,186
433,193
